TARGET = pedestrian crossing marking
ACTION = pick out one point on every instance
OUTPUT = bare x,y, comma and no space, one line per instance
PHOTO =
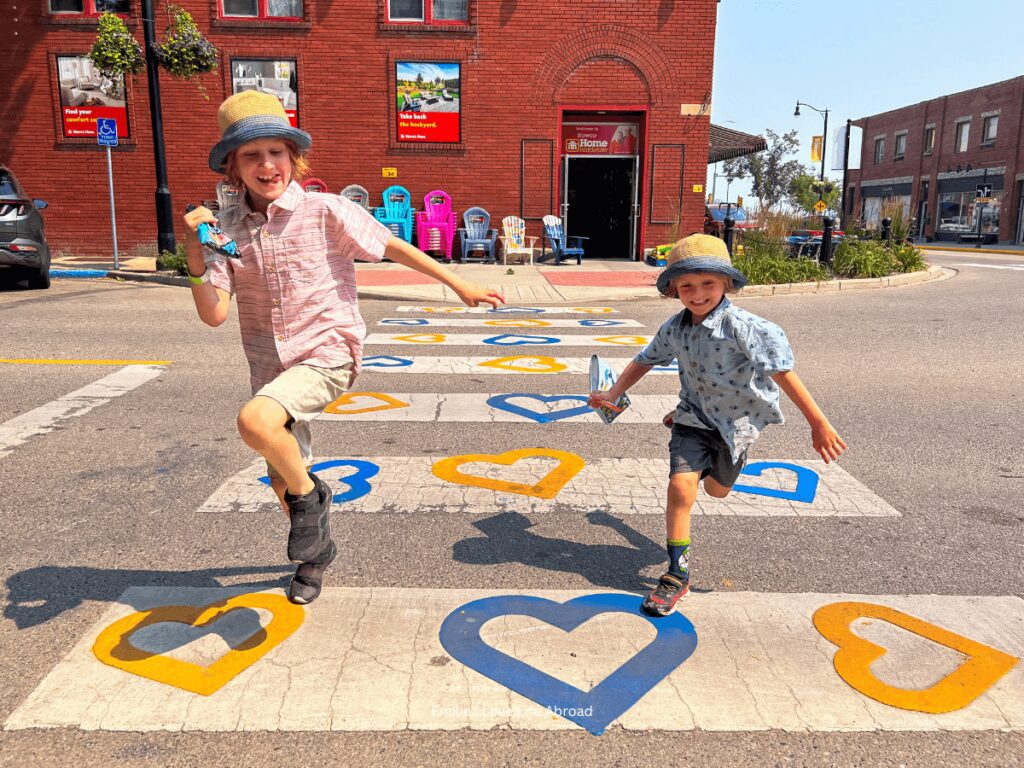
511,310
620,487
1014,267
453,322
983,667
504,340
372,659
512,364
480,407
569,465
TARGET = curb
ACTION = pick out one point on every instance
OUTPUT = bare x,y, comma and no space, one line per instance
934,272
78,273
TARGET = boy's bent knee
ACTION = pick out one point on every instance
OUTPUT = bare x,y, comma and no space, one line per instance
260,418
715,488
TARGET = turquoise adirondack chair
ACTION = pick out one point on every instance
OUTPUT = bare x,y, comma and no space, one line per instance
477,234
560,245
435,224
396,213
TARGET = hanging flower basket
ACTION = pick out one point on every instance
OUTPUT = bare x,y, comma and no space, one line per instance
185,52
115,52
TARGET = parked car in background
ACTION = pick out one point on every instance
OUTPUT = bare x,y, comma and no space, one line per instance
24,253
807,242
714,218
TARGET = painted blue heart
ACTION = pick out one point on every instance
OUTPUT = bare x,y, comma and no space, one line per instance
503,310
600,323
518,340
806,482
413,321
593,710
358,482
501,402
385,361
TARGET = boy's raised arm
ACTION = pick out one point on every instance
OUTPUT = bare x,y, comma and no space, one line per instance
824,437
469,293
633,373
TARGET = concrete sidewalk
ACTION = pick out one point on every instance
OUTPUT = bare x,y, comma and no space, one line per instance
591,282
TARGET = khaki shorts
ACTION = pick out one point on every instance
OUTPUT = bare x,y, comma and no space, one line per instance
304,391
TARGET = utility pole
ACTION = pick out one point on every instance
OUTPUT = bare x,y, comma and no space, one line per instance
846,167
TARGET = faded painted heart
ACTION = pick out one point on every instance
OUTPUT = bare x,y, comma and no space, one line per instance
569,465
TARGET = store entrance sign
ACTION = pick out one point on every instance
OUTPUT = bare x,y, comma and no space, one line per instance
600,138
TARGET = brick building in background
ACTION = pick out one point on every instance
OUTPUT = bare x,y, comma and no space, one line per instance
933,156
543,104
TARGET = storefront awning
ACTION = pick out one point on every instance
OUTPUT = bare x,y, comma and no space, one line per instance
727,144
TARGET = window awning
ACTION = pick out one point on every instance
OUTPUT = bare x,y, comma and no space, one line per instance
727,144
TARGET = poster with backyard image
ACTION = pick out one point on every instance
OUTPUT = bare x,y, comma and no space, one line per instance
428,102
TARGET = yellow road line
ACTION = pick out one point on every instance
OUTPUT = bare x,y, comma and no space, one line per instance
40,361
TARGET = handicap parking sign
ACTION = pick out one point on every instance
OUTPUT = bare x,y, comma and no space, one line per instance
106,131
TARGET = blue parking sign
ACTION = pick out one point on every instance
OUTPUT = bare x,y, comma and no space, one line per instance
106,131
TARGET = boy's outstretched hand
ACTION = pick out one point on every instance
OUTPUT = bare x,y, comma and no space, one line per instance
473,295
827,441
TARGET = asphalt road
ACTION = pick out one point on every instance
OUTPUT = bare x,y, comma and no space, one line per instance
924,383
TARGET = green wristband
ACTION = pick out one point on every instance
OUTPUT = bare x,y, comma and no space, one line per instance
203,278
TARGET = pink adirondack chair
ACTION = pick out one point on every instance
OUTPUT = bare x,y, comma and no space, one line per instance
435,224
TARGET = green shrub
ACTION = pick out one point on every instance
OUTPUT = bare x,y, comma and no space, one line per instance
177,261
772,270
908,258
863,258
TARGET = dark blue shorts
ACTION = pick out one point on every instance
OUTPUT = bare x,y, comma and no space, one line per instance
703,451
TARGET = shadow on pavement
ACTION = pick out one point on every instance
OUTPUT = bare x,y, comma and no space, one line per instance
36,595
508,539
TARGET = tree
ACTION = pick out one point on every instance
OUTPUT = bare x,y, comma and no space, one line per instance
771,171
806,190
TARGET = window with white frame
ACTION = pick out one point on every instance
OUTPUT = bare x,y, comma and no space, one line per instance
929,139
963,131
429,11
261,9
989,126
88,7
900,148
879,150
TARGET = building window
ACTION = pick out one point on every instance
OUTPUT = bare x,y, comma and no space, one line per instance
88,7
429,11
879,150
262,9
901,146
963,130
929,139
958,212
988,130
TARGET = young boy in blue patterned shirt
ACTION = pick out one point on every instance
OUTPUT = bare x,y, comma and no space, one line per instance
731,366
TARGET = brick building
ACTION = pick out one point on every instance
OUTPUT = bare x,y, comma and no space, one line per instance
520,106
933,157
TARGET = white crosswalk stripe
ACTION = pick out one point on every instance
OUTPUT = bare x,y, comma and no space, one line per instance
509,364
596,311
507,340
1015,267
525,322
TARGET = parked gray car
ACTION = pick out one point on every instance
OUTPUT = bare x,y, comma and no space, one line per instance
24,253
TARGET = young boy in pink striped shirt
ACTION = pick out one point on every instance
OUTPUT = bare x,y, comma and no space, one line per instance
294,282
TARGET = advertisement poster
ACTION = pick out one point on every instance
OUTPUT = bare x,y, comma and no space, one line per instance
428,102
85,96
276,77
599,138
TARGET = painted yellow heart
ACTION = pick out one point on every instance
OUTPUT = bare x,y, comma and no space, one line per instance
540,364
569,465
628,341
113,645
593,310
421,338
984,665
387,403
444,310
530,323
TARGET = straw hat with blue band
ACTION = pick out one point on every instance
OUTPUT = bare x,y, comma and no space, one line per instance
698,253
252,115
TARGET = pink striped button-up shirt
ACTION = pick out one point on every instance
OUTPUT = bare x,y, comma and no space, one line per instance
295,283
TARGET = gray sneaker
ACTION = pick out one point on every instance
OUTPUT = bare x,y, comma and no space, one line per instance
310,522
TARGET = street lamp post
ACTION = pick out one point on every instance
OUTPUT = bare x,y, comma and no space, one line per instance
164,215
824,132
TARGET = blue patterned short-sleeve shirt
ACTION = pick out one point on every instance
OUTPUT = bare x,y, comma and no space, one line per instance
725,368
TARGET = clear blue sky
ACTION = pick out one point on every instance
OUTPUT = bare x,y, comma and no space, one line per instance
852,58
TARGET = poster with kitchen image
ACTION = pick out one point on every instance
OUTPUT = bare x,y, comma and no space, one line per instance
278,77
428,101
86,95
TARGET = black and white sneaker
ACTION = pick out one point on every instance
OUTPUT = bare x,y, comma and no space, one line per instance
309,577
310,522
663,598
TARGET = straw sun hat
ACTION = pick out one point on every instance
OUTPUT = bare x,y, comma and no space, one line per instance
698,253
252,115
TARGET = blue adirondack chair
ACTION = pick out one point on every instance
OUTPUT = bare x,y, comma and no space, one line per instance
477,234
555,239
396,213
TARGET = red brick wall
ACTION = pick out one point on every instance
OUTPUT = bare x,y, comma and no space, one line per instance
523,63
1008,150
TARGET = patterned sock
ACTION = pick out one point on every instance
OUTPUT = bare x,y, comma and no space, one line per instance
679,558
